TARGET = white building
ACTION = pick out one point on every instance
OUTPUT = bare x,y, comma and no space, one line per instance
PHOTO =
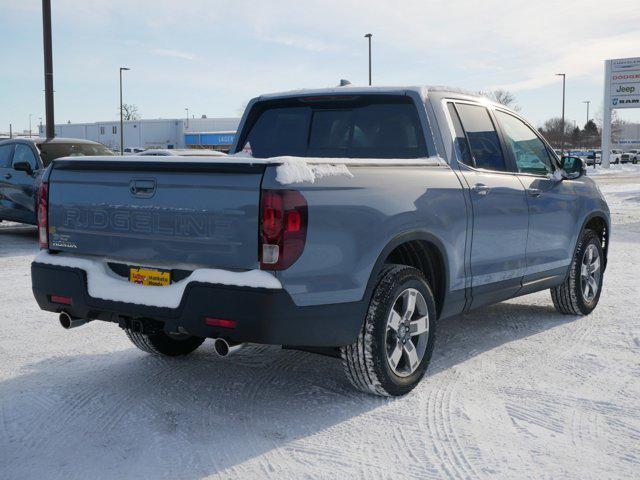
160,133
629,137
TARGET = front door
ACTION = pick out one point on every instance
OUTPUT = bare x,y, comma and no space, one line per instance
552,204
500,211
19,187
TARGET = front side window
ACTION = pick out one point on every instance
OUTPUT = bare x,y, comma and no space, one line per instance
530,153
24,154
358,127
481,134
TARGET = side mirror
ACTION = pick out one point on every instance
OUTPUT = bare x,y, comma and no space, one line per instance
23,167
574,167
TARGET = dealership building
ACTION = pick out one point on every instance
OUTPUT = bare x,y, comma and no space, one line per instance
214,133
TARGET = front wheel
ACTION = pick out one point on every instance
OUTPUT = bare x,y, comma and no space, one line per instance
170,345
394,346
580,292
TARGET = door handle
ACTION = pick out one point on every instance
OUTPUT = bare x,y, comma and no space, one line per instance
534,192
481,189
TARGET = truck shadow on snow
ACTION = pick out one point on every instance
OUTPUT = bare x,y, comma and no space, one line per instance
126,414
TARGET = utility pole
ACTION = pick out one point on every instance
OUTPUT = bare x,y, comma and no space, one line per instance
587,102
30,115
368,36
187,110
121,120
10,131
48,67
564,77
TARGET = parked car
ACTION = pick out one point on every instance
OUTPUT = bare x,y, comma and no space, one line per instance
183,152
133,150
632,156
616,155
362,216
22,162
594,156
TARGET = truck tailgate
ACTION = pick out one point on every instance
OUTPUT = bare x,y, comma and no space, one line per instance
157,212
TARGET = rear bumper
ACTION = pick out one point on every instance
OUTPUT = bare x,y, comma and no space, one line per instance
261,315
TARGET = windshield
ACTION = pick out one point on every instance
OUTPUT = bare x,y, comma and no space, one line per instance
51,151
347,126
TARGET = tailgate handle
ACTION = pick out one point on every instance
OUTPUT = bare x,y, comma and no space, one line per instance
143,188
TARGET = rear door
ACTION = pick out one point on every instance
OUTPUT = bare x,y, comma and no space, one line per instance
552,202
500,212
161,211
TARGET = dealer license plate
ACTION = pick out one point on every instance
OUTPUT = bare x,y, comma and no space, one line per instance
149,276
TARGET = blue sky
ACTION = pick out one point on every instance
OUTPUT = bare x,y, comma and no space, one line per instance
213,56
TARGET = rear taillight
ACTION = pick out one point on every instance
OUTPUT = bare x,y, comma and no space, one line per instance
283,228
43,223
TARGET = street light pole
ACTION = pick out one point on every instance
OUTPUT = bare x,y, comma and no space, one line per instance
30,115
368,36
564,77
40,127
121,119
187,110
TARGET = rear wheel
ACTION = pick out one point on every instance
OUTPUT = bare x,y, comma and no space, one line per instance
171,345
580,292
394,346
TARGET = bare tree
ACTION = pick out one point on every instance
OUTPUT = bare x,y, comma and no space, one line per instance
552,131
129,112
503,97
617,124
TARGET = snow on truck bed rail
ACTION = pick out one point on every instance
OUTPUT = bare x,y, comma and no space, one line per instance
105,285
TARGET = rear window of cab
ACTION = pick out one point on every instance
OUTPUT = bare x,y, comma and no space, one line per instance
364,126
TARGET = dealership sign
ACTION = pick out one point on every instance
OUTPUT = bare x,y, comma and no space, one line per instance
621,90
623,78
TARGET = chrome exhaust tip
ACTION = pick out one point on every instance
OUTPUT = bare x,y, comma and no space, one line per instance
224,347
68,321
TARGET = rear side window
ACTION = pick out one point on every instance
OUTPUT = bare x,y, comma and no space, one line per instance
51,151
5,155
359,127
461,143
482,137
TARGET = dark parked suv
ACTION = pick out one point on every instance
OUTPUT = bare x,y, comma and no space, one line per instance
21,164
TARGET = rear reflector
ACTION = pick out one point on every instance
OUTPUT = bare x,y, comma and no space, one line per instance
219,322
60,299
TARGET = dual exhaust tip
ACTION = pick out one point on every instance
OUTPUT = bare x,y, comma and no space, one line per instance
221,346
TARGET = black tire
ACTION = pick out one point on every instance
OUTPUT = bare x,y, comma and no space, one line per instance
164,344
568,298
365,361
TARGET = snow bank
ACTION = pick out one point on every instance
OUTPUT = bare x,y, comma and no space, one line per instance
305,169
614,169
106,285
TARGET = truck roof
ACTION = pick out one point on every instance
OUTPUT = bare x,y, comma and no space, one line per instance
422,90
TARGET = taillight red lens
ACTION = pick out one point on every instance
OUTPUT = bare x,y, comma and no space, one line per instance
43,223
60,299
283,228
219,322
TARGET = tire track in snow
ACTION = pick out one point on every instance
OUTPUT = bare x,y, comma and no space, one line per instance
442,430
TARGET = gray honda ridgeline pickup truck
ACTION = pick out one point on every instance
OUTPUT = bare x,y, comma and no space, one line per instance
348,222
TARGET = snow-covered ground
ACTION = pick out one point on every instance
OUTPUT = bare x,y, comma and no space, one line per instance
514,391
